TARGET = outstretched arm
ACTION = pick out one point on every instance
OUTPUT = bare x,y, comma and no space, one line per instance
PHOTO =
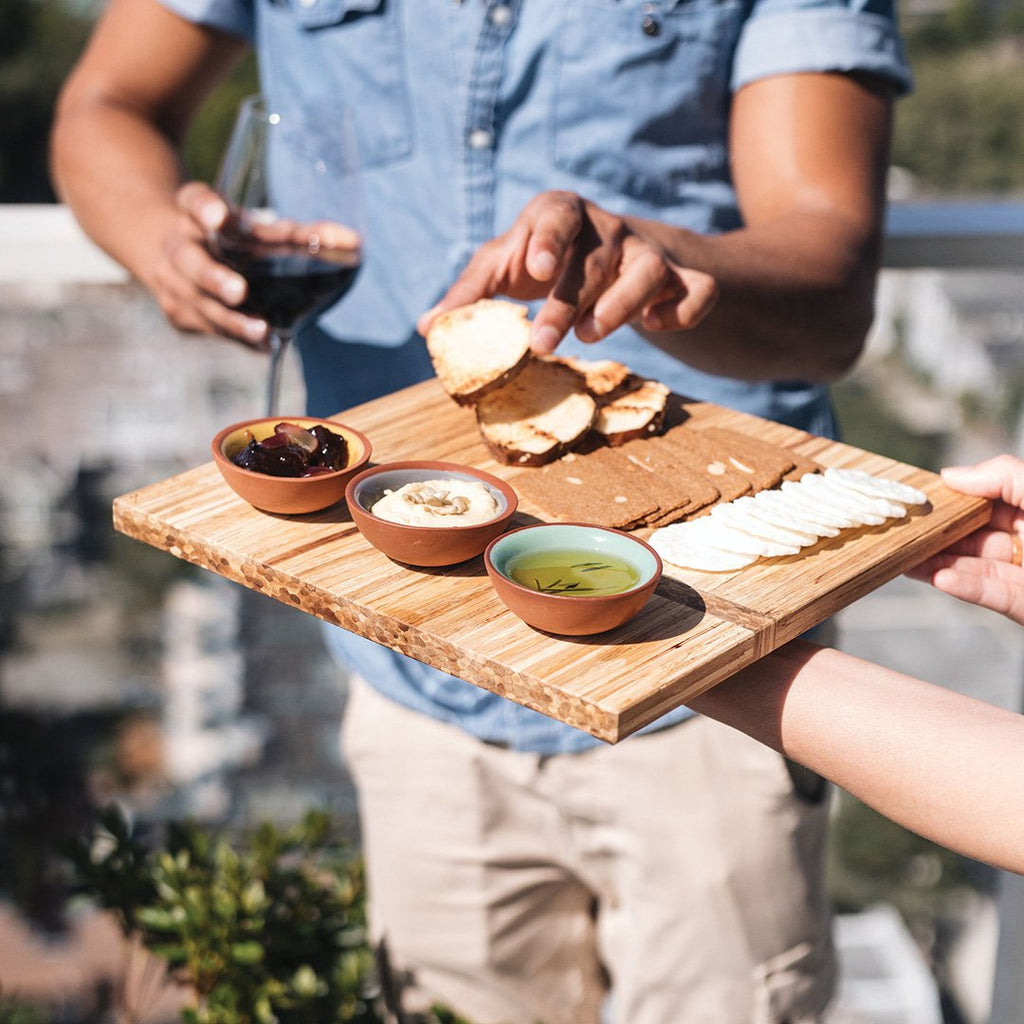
788,295
946,766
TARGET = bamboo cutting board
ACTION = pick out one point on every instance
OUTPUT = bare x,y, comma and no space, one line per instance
697,629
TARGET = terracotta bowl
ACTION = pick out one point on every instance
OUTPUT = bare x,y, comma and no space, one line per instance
444,544
287,495
571,612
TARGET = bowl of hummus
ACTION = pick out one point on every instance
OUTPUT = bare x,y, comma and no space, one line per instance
430,513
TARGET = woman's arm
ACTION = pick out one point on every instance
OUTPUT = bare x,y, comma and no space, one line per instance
946,766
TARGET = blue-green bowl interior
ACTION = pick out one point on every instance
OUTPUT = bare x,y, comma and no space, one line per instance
559,536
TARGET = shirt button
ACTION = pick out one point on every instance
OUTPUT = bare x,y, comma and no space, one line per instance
480,138
308,3
501,15
649,25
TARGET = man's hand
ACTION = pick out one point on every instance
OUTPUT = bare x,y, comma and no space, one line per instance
595,272
198,293
195,292
985,567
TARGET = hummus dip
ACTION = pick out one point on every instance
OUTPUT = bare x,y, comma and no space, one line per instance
437,503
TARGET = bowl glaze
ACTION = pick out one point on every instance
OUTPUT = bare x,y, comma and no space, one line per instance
287,495
426,545
572,614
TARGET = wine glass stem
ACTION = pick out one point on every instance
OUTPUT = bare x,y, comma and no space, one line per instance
279,342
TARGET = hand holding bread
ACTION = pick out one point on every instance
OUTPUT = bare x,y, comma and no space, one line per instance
595,270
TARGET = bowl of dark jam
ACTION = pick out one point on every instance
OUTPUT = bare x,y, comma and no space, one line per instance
290,465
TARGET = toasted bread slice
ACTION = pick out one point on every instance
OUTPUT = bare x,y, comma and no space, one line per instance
477,348
639,413
538,416
606,378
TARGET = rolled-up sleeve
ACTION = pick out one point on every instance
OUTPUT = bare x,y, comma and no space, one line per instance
789,36
232,16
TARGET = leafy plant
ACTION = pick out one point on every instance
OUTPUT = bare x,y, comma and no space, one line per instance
268,928
12,1011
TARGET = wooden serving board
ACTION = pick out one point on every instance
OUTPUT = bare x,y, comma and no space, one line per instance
697,629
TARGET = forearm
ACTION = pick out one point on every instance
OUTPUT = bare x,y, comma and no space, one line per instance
796,282
796,297
118,173
943,765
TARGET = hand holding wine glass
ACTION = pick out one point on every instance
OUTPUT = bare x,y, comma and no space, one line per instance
294,227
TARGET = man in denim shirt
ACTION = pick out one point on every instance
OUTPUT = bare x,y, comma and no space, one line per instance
731,154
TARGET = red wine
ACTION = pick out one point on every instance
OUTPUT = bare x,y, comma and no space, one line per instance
286,284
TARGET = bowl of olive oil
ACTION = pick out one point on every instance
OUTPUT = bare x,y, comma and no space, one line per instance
572,579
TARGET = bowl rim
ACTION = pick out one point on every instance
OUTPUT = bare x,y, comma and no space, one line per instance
217,447
506,490
653,579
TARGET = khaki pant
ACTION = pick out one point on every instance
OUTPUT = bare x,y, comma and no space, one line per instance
678,869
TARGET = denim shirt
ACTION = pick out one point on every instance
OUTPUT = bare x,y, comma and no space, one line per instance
465,110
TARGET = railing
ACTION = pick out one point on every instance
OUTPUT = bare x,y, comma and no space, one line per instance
955,235
43,242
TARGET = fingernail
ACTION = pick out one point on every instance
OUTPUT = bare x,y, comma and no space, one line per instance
232,290
212,214
423,323
589,328
543,265
545,339
255,330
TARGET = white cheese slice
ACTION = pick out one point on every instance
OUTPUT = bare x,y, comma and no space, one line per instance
715,533
806,516
686,554
745,514
880,508
830,512
876,486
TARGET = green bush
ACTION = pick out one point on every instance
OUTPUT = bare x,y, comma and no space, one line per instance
960,131
269,927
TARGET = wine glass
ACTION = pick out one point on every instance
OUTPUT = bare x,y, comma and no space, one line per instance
290,176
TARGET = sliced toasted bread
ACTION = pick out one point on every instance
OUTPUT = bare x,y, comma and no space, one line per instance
538,416
606,378
639,413
478,348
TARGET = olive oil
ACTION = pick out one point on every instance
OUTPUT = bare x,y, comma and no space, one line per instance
573,572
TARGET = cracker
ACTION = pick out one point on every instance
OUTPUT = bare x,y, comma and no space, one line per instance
693,451
601,487
680,489
765,464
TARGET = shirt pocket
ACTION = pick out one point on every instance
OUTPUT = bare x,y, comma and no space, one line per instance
353,50
642,95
